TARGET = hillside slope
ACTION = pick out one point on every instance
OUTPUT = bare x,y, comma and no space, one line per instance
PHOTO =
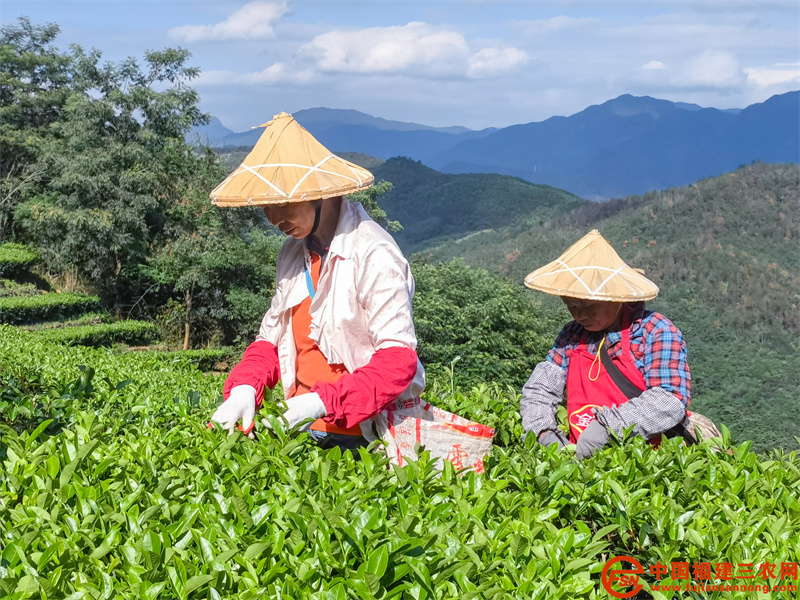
433,206
725,252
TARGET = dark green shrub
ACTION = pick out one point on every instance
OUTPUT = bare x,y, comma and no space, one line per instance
496,330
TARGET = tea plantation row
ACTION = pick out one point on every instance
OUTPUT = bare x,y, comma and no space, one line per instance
112,487
15,258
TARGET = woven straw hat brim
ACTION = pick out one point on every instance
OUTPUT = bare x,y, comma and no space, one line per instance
591,270
629,285
288,164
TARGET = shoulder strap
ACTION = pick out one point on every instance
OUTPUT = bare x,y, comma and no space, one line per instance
627,387
624,384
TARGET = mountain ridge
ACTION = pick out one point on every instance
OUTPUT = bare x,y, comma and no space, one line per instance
626,145
321,121
634,144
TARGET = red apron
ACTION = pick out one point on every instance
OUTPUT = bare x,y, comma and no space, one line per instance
589,385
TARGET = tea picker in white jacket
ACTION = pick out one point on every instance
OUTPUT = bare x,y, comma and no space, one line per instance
339,332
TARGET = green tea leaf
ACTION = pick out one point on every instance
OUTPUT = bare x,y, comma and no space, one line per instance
197,582
378,561
254,550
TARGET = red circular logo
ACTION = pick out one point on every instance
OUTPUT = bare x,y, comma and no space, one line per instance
622,577
579,419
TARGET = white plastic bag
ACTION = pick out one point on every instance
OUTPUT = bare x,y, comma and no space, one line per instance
445,435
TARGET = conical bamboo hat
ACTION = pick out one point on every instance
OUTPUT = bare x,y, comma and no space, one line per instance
591,270
288,165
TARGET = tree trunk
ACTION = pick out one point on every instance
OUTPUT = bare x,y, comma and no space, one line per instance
187,324
117,294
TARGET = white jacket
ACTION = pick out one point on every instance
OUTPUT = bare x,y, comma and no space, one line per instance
362,302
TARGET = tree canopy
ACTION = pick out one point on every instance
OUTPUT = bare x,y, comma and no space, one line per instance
98,175
496,330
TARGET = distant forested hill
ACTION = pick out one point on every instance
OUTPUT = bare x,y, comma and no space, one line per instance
433,206
725,252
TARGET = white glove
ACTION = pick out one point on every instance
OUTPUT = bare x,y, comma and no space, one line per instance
301,408
240,405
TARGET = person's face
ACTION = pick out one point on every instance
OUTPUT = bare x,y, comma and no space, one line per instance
593,315
293,218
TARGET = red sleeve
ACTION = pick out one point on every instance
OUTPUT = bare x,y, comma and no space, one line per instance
259,367
367,391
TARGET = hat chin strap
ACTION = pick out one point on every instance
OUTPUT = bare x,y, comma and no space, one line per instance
317,211
619,310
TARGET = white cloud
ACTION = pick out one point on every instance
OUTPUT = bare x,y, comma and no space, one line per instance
387,49
776,75
715,68
495,61
416,49
276,73
708,70
252,21
653,65
428,67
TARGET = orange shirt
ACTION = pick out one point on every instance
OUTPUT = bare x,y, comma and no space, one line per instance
312,366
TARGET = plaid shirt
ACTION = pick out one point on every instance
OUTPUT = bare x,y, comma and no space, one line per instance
657,347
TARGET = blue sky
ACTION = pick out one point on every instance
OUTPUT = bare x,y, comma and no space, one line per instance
477,64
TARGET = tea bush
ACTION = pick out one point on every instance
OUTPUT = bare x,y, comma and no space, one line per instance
90,318
101,334
15,258
147,376
9,287
51,306
115,489
207,359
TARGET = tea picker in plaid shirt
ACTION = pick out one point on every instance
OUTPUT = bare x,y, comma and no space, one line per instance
621,365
